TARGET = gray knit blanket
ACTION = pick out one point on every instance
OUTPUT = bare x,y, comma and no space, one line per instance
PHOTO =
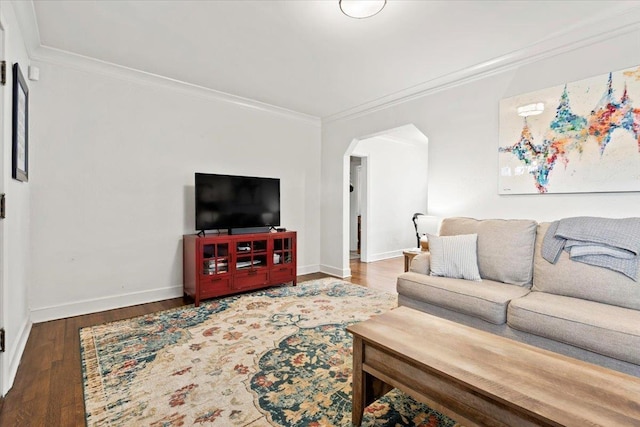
604,242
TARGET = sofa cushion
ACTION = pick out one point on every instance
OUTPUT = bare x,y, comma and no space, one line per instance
454,256
486,300
421,263
580,280
602,328
505,246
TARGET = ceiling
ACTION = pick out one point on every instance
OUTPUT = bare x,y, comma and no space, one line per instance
305,55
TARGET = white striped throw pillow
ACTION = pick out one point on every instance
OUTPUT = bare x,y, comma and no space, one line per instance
454,256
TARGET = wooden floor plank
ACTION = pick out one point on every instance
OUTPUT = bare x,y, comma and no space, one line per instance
48,390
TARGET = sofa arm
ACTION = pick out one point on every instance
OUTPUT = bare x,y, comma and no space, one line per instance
421,263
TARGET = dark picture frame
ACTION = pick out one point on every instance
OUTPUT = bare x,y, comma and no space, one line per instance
20,127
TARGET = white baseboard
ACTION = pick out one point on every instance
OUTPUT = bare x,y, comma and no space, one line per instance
384,255
307,269
78,308
334,271
16,356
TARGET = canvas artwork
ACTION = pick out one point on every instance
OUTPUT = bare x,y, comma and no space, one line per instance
578,137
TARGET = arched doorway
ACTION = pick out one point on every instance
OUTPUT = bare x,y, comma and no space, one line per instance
389,188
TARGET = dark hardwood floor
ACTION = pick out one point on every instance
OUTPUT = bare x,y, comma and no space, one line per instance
48,386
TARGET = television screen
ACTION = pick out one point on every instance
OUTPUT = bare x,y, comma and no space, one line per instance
228,201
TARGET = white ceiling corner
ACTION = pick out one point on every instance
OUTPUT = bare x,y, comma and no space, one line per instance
305,59
26,17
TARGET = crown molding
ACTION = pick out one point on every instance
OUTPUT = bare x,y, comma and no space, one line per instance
618,21
95,66
25,14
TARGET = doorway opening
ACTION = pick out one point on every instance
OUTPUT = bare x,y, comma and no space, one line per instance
388,172
356,187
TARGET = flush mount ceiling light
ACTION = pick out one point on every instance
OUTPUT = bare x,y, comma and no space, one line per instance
531,109
361,8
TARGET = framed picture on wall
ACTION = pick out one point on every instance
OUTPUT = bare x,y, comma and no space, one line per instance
578,137
20,155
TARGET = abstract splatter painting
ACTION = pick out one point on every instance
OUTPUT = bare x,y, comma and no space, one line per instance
578,137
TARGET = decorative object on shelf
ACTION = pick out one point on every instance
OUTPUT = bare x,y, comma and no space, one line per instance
360,9
20,127
579,137
424,224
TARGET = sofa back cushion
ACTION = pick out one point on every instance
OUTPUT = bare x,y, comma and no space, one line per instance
505,246
579,280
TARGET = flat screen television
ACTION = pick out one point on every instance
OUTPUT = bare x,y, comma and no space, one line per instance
236,203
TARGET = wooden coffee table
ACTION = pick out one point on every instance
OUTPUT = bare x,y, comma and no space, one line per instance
481,379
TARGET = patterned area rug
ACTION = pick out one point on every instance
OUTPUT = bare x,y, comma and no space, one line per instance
278,357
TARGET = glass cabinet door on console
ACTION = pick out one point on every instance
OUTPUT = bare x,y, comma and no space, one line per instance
251,254
214,270
215,258
251,263
284,250
206,267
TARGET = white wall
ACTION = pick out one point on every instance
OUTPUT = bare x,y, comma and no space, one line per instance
397,188
15,230
461,123
113,160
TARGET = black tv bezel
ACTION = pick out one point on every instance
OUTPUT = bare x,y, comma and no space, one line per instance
236,228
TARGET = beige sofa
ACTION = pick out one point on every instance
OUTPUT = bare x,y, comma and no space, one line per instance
587,312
